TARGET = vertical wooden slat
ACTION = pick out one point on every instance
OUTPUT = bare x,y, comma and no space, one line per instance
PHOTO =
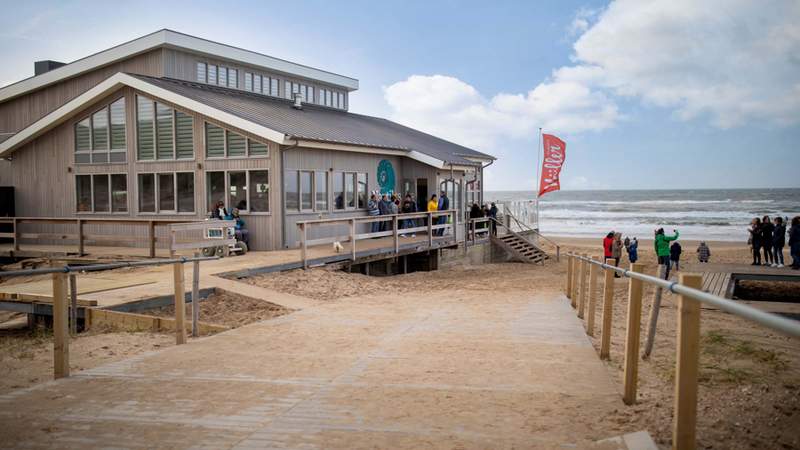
608,311
687,367
430,230
196,296
568,287
180,304
80,238
574,287
583,273
73,308
396,235
303,245
60,329
16,235
632,336
353,238
594,271
151,236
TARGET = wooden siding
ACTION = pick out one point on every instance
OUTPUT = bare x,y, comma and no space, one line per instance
19,112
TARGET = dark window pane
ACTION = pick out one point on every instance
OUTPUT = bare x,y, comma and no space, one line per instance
362,191
291,191
321,191
258,149
164,131
215,189
306,196
101,195
237,190
259,191
236,144
184,135
144,127
83,136
166,192
119,193
215,141
349,190
118,125
147,192
100,131
185,191
83,193
338,190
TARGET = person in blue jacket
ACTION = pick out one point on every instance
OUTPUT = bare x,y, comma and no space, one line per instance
240,228
633,251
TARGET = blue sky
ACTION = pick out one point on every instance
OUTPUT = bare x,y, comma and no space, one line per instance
670,94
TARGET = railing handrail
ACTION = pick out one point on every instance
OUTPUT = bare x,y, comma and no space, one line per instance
417,215
97,219
530,228
100,267
769,320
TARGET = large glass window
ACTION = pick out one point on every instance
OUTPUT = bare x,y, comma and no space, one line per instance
147,192
321,191
215,141
164,143
306,194
215,189
222,77
166,192
221,143
256,83
338,190
257,148
83,141
362,191
83,192
349,189
162,132
201,72
100,189
273,87
100,131
184,135
117,131
291,190
259,191
145,135
237,145
101,193
248,81
237,190
184,182
119,193
100,138
212,74
233,78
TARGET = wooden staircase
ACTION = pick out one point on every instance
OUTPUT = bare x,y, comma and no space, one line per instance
521,248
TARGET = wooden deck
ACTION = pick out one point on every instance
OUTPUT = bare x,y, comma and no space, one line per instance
721,279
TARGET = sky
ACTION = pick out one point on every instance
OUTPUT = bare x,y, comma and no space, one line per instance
647,94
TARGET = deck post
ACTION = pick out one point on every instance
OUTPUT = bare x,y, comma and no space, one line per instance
60,329
608,310
196,296
180,304
574,288
593,272
151,236
655,307
396,235
80,238
686,366
633,330
73,307
353,238
15,225
430,230
303,245
582,300
569,276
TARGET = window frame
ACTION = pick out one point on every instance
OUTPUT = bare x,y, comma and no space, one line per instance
108,151
174,133
204,72
158,211
110,194
226,156
248,183
354,176
300,191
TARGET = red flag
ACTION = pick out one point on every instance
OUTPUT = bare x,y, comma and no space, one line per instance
555,152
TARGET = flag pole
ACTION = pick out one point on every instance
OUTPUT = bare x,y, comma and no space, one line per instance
538,181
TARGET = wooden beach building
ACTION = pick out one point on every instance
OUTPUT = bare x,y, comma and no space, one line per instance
164,126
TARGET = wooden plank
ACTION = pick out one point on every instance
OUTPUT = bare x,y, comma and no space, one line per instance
633,330
594,271
180,304
574,288
60,328
687,367
584,272
196,296
81,238
608,310
73,307
38,298
567,288
151,237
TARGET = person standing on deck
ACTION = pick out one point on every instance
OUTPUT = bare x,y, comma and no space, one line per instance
794,242
433,206
767,229
409,207
662,248
703,252
374,211
778,241
755,240
385,208
675,255
633,250
493,215
444,205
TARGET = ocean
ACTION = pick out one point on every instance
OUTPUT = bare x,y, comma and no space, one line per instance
709,214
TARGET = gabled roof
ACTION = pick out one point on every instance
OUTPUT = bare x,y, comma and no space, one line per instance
270,118
172,39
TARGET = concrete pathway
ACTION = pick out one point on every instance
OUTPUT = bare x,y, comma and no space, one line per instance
456,371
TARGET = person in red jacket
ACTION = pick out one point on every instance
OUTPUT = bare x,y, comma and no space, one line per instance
608,245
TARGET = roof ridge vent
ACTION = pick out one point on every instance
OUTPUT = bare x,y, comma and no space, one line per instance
298,101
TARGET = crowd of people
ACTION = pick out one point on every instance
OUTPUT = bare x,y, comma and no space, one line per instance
768,237
389,204
240,228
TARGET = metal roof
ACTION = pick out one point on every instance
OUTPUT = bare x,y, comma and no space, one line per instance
319,123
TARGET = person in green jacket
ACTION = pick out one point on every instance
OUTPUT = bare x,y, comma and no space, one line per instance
662,248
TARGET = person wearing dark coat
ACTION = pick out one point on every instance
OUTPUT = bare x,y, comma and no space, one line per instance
766,239
778,242
675,255
794,242
444,205
755,240
493,215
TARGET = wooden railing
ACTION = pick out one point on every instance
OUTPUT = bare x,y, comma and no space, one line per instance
447,229
525,227
80,238
688,333
477,230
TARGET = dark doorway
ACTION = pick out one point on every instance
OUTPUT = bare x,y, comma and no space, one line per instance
422,194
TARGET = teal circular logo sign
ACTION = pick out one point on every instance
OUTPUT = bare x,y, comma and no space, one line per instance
386,177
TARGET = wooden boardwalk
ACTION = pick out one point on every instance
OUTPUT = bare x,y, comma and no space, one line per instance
721,279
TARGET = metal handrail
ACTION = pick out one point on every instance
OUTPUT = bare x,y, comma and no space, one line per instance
99,267
769,320
530,228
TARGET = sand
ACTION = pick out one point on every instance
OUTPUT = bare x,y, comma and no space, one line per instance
227,309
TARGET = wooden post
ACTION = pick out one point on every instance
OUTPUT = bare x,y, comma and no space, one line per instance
655,307
151,236
60,329
180,304
430,230
303,245
608,311
16,234
73,307
584,272
574,288
80,238
567,291
686,366
396,235
353,238
173,239
558,253
594,270
196,296
633,329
